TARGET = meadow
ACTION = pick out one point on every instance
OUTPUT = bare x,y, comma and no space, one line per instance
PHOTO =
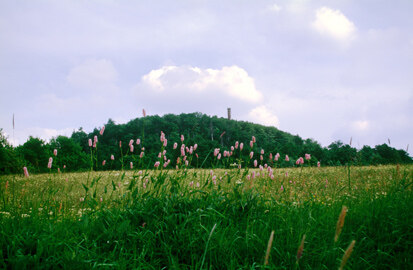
239,218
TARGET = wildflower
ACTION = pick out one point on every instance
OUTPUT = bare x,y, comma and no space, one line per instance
255,163
287,158
175,145
182,138
120,144
191,150
216,151
270,156
162,138
64,166
138,141
141,155
307,156
253,139
232,148
186,163
103,163
191,183
131,147
55,152
102,130
112,157
262,151
49,165
90,142
143,112
131,165
219,156
130,142
282,188
26,172
261,158
140,173
195,147
157,164
318,164
95,140
236,145
251,144
277,156
251,154
241,146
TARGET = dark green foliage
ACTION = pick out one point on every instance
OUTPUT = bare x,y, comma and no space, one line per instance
208,132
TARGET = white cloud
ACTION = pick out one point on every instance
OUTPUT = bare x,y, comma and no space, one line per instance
232,81
334,24
92,73
361,125
264,116
275,8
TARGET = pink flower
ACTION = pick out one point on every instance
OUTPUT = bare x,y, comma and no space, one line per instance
175,145
255,163
131,165
182,150
182,138
55,152
90,142
162,138
120,144
307,156
287,158
262,151
232,148
138,141
241,146
191,150
195,147
282,188
165,142
157,164
102,130
112,157
26,172
143,112
277,156
270,156
186,163
253,175
196,154
49,165
131,147
104,163
130,142
261,158
219,156
64,166
251,154
141,155
95,139
216,151
253,139
318,164
251,144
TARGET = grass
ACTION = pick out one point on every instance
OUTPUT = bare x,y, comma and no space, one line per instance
180,219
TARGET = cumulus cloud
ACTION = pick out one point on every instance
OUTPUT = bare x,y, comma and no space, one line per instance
231,81
264,116
92,73
334,24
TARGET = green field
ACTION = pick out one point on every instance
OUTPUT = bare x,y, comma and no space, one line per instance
208,219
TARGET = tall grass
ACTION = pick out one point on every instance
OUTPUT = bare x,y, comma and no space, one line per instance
180,219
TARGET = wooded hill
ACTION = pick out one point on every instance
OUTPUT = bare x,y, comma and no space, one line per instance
207,132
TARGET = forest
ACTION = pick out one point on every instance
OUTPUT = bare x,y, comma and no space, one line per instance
113,151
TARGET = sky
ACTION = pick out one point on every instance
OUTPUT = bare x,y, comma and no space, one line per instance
326,70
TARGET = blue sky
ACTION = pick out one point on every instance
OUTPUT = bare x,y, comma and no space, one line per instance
327,70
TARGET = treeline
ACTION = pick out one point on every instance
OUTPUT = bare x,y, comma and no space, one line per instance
209,133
